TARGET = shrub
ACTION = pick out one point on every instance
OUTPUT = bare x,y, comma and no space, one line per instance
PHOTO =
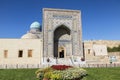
61,72
48,75
40,73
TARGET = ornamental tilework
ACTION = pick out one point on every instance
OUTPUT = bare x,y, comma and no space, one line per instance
62,28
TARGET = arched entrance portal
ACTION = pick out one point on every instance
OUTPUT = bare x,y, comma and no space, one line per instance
61,38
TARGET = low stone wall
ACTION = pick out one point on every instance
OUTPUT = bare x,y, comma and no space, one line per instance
114,53
19,66
28,66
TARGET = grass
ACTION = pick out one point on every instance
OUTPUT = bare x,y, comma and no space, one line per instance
29,74
103,74
17,74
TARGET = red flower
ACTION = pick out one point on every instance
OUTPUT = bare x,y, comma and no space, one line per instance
60,67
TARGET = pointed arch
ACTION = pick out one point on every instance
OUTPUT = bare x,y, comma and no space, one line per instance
59,32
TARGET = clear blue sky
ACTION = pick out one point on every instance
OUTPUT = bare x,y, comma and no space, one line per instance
100,18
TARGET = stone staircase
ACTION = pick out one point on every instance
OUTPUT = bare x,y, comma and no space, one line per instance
63,61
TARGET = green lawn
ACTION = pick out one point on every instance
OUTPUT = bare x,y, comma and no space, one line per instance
29,74
103,74
17,74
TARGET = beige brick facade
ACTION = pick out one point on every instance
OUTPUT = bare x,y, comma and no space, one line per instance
13,46
99,53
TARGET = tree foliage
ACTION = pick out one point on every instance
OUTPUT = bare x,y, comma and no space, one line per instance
114,49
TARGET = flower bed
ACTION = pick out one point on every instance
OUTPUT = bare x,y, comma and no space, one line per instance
60,67
61,72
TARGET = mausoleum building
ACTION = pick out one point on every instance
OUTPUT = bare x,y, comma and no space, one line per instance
58,40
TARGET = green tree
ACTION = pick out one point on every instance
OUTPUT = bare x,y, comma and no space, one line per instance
114,49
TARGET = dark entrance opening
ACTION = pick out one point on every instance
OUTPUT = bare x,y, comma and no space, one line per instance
61,54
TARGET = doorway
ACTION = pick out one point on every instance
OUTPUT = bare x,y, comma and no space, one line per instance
61,52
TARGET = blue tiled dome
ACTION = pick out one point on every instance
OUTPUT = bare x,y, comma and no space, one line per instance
35,25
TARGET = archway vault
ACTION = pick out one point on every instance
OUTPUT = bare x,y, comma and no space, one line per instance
62,35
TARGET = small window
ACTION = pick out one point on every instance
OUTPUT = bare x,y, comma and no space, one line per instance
5,53
94,53
29,53
88,51
20,53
